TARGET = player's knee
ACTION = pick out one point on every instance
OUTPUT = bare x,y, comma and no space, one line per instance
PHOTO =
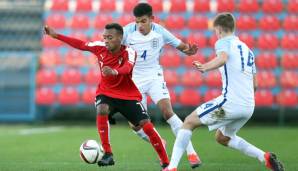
188,123
135,128
221,139
102,109
142,123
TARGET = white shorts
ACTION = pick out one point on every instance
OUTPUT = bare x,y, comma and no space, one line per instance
224,115
155,88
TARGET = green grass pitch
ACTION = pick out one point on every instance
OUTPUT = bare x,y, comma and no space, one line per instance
55,148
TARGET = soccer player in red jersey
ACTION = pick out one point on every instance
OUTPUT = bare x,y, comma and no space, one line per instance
116,91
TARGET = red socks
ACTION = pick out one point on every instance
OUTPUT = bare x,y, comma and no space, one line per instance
103,131
155,140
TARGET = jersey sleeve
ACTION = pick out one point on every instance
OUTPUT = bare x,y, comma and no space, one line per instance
129,28
167,36
222,46
79,44
129,62
254,68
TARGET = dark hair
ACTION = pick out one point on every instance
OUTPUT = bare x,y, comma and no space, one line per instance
115,26
226,21
142,9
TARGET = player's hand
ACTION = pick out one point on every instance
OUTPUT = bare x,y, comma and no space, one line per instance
107,71
199,66
191,50
49,31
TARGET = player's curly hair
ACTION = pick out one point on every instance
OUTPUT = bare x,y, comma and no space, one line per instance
115,26
226,21
142,9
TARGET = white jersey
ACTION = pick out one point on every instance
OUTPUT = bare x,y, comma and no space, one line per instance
237,73
148,48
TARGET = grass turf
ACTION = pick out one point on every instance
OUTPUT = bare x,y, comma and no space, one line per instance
29,148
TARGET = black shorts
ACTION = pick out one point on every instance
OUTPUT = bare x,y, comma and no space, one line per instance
132,110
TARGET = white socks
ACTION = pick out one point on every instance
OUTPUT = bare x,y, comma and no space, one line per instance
176,123
181,142
240,144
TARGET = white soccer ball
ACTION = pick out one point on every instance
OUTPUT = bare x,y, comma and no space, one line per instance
91,152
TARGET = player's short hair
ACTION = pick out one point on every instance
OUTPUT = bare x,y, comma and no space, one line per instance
115,26
142,9
226,21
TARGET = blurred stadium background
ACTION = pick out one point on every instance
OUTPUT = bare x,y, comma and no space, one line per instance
45,81
42,79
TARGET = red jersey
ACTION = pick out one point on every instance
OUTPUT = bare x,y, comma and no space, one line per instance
119,86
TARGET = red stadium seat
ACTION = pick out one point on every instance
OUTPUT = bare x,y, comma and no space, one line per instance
84,5
46,77
268,41
93,77
269,23
170,58
289,41
101,20
175,22
45,96
272,6
79,35
225,5
287,98
289,61
173,96
128,5
264,98
292,6
190,97
291,22
71,76
68,96
211,94
198,39
248,6
213,79
125,19
201,6
88,96
266,79
49,42
107,5
59,5
75,58
198,22
212,40
248,39
171,77
192,78
266,60
80,21
246,22
50,58
188,60
157,5
56,21
289,79
178,6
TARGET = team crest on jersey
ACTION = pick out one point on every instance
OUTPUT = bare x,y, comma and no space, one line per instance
155,43
120,60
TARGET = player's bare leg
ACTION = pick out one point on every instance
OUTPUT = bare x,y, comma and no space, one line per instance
103,131
248,149
175,123
183,138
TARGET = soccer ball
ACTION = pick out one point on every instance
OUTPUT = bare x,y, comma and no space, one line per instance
91,152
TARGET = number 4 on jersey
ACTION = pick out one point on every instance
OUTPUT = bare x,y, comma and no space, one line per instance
144,54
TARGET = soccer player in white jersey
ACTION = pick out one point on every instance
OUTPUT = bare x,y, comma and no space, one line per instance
147,39
230,111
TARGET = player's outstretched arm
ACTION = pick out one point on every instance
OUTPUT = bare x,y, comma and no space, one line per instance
76,43
188,49
213,64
